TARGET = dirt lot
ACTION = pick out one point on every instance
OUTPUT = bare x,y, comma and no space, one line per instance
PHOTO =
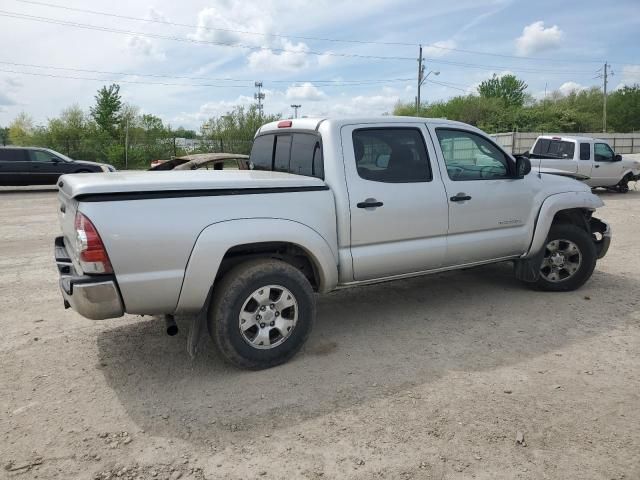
426,378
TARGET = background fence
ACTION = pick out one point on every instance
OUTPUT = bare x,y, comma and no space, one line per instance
519,142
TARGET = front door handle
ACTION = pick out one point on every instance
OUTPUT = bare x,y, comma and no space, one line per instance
461,197
370,203
597,166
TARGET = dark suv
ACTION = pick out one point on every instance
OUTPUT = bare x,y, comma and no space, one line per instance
41,166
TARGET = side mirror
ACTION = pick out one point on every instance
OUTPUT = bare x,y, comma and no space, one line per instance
55,160
617,157
523,166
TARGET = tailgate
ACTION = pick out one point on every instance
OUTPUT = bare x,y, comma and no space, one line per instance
67,208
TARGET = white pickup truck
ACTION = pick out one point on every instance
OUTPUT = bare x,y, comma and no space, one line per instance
327,204
588,158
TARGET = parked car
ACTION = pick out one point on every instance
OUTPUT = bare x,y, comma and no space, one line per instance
328,204
41,166
588,157
205,161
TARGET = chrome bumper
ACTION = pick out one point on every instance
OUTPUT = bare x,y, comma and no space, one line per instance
93,296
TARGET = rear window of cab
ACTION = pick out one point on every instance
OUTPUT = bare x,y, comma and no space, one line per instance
292,152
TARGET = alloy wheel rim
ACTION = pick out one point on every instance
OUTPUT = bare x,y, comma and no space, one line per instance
268,317
562,260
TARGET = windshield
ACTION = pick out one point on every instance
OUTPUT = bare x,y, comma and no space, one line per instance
58,154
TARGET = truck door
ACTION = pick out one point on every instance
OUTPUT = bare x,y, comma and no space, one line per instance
585,165
490,211
606,172
46,167
397,200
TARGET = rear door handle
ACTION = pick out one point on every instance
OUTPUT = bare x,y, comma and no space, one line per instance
461,197
597,166
370,203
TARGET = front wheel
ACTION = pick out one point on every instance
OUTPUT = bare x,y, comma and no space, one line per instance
261,314
569,259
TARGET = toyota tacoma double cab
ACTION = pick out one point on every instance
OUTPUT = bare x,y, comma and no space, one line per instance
326,204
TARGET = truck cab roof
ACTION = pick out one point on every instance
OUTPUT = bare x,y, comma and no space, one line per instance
571,138
316,122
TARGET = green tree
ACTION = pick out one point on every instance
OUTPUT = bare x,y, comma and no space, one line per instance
68,133
507,87
623,107
233,132
4,135
21,130
106,111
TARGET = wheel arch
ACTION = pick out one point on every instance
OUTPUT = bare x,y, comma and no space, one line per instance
569,207
223,245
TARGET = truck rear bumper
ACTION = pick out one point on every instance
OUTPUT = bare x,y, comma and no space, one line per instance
93,296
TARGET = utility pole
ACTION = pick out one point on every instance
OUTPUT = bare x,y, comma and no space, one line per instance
606,73
420,74
295,109
259,96
126,143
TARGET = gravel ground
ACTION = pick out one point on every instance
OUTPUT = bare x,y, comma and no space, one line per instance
436,377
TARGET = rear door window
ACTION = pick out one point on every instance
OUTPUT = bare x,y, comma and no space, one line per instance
555,149
13,155
298,153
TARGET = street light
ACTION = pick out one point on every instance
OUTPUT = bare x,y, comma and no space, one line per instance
423,77
295,108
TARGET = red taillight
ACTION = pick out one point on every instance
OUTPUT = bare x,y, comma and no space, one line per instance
92,255
285,124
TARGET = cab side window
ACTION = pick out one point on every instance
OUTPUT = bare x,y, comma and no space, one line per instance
603,152
469,156
391,155
585,151
13,155
40,156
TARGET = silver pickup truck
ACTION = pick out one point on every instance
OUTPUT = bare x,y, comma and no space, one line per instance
327,204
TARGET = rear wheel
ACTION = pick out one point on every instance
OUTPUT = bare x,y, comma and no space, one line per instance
569,259
261,314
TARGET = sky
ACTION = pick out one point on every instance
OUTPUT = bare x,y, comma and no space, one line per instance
190,60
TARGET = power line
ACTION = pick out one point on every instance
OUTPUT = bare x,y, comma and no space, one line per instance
138,82
218,79
54,21
313,38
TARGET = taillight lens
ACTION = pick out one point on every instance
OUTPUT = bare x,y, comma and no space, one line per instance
92,255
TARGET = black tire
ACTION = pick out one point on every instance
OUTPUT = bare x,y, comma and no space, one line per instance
623,186
588,253
227,302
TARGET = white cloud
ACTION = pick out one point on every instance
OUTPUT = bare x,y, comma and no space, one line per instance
226,22
145,48
439,49
293,58
305,92
567,87
630,76
535,38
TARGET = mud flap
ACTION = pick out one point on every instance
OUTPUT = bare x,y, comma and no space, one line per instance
197,327
528,269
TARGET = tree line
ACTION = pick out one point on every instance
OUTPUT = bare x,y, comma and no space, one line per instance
118,133
502,104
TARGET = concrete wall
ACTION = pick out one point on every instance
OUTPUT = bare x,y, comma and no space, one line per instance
518,142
